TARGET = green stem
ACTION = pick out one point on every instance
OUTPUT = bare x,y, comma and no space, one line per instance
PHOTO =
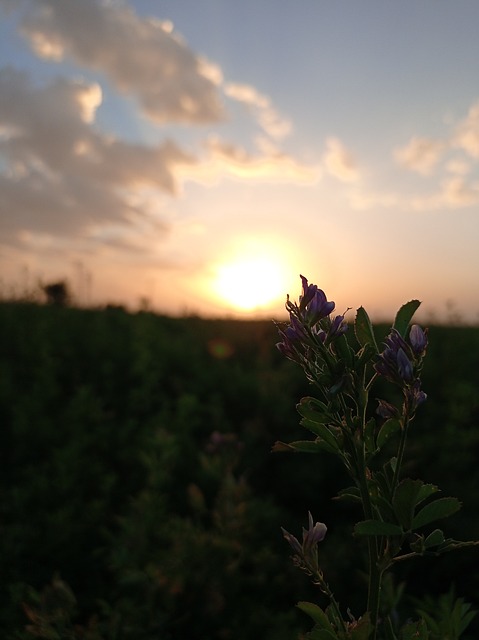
374,584
323,585
375,576
400,455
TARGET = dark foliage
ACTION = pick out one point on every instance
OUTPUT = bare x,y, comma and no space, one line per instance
139,491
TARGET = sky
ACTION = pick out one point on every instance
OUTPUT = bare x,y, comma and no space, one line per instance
198,156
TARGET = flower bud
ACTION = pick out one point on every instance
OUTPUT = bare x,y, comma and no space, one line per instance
418,340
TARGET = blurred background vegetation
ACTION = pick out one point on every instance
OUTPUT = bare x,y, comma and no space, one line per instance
139,496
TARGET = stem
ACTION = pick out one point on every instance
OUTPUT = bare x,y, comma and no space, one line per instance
374,584
400,455
323,585
375,575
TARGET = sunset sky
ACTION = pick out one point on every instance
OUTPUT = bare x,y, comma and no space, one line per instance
204,153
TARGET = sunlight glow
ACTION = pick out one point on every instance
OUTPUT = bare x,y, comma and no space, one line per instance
250,282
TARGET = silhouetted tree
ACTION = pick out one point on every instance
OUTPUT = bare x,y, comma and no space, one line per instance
57,293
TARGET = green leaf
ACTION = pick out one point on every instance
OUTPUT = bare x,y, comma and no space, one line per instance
427,490
363,329
389,428
322,431
316,614
405,500
282,447
441,508
365,354
377,528
343,349
311,446
351,493
385,508
314,410
434,539
404,316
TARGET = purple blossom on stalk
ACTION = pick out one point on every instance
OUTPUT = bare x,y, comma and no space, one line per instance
306,553
309,291
418,340
387,410
395,361
415,396
313,304
404,366
400,363
337,328
314,534
293,336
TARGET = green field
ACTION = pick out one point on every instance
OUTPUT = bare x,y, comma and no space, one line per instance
139,496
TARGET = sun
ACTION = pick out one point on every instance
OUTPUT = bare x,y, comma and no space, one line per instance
251,282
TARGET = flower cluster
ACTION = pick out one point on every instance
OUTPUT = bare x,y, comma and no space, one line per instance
310,324
401,362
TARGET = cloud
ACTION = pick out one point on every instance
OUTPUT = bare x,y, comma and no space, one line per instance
61,174
466,135
454,193
225,158
339,162
140,56
269,120
458,166
420,154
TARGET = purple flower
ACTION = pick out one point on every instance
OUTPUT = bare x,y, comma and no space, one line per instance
404,366
314,534
293,336
293,542
415,396
386,410
337,328
313,304
309,291
400,363
395,361
418,340
306,552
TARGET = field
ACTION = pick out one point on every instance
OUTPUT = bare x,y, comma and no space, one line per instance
139,496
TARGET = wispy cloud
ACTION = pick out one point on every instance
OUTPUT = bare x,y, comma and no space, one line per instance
420,154
268,118
454,193
224,158
466,135
339,162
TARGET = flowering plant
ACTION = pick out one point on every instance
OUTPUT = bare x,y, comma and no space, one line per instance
344,367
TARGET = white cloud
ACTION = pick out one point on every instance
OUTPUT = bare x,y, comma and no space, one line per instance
61,174
226,158
339,162
141,57
420,154
268,118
